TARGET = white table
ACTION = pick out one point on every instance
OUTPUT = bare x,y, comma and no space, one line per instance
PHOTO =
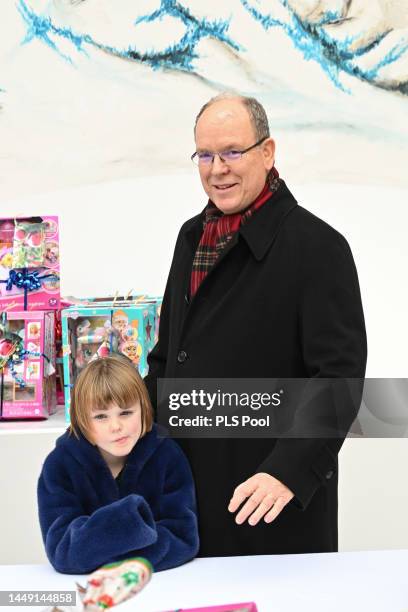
338,582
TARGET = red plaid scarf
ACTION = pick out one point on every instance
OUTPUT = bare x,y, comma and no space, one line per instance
220,228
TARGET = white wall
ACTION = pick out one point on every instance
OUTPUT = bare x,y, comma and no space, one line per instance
119,236
21,456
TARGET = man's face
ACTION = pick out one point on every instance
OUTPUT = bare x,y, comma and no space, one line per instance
232,186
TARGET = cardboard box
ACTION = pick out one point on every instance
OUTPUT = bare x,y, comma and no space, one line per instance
92,331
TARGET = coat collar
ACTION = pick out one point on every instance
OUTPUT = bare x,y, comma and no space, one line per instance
260,231
263,227
88,456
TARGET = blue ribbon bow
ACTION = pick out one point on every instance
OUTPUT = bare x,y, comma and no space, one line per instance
28,281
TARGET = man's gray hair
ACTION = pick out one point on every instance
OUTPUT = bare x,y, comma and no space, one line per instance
255,110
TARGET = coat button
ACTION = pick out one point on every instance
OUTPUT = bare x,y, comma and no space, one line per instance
329,474
182,356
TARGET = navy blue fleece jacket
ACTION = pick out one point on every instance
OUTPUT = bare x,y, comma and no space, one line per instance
87,518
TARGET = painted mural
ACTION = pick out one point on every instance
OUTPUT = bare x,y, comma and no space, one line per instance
87,87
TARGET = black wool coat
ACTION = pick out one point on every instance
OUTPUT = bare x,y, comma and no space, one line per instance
282,300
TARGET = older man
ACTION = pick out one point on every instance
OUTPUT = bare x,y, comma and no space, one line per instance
258,288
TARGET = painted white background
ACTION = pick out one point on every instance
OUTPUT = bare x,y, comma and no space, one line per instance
100,117
120,236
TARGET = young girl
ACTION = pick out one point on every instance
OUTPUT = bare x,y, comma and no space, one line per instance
112,489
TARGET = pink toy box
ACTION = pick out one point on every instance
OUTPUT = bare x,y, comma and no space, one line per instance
240,607
29,263
27,365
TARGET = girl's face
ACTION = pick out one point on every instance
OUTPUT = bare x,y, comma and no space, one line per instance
116,430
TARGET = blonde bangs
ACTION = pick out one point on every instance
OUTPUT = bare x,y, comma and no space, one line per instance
107,381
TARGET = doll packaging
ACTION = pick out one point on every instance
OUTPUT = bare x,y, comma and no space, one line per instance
128,299
97,330
27,365
29,263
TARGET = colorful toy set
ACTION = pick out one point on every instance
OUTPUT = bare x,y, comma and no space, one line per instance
98,329
29,264
27,365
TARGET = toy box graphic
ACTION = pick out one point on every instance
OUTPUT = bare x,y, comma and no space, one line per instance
27,365
92,331
29,263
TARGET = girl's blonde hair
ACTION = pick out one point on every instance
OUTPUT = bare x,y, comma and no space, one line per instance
107,381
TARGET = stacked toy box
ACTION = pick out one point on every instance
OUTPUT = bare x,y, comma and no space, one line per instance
29,297
27,365
93,328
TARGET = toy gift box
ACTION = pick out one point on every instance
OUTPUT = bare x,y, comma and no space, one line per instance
27,365
241,607
128,299
29,263
92,331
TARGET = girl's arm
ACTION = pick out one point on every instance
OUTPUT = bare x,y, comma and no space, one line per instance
176,522
77,543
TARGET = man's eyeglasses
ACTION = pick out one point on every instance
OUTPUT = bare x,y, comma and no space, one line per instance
205,158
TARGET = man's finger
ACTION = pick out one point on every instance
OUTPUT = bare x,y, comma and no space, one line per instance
278,506
265,505
243,491
249,507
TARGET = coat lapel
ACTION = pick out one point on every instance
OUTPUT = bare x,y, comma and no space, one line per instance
261,230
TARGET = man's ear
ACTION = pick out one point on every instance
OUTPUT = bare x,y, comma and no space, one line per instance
268,150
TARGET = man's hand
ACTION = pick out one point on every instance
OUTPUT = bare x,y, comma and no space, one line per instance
267,497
